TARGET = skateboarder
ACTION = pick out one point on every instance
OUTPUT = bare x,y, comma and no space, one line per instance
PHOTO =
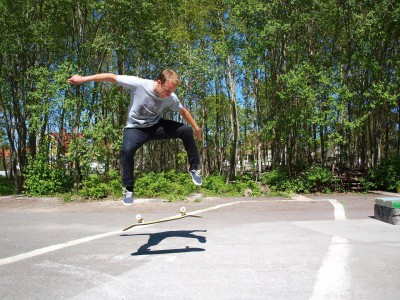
145,123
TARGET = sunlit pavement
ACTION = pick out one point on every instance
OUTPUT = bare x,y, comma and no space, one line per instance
304,247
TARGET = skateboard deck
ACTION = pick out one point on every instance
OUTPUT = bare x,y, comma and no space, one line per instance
140,221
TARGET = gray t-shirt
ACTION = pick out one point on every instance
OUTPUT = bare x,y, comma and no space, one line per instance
145,108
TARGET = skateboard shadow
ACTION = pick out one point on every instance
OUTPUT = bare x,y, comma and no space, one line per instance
156,238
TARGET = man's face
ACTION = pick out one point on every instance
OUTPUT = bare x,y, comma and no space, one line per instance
165,90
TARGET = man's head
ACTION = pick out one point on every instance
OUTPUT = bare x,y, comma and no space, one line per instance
166,83
169,75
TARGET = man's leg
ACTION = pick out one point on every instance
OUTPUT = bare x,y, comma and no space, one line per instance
133,139
171,129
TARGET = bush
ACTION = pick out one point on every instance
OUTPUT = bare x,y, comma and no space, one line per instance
170,185
94,188
278,180
115,184
41,179
216,185
316,179
173,185
6,186
98,187
385,176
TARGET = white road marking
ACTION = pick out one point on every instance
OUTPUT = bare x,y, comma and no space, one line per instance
218,207
48,249
333,280
339,211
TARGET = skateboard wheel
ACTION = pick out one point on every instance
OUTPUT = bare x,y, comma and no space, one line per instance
183,210
139,218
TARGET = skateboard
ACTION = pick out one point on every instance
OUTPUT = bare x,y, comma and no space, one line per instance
141,222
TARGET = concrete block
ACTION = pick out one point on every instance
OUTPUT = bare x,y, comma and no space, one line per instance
387,214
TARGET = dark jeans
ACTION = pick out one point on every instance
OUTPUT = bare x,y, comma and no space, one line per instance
134,138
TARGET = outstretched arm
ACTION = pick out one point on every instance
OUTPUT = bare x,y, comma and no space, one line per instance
188,117
102,77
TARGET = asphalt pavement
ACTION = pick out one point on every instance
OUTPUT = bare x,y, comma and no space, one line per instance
303,247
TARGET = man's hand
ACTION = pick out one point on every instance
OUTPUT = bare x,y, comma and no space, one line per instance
188,117
76,79
197,133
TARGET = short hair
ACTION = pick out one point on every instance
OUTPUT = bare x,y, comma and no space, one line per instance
169,75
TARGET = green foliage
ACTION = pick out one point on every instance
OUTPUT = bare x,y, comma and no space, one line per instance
114,183
314,179
277,180
386,176
94,188
216,186
6,186
97,186
42,179
170,185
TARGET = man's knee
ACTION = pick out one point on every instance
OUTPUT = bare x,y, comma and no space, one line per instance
129,147
186,131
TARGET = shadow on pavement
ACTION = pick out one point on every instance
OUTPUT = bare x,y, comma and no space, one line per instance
156,238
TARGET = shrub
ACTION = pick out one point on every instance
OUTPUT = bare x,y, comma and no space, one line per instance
6,186
41,179
316,179
170,185
216,185
278,180
245,182
115,184
385,176
94,188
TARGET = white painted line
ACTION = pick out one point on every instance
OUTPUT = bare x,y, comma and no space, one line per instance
48,249
339,211
218,207
333,280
